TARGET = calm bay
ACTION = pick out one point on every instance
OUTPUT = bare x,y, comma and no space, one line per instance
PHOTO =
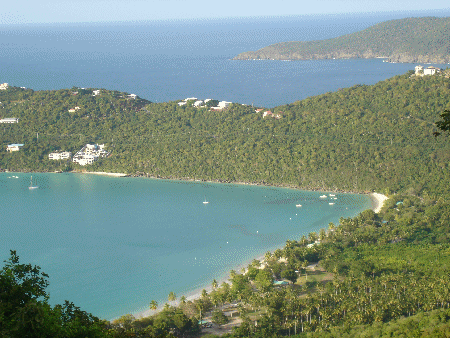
111,245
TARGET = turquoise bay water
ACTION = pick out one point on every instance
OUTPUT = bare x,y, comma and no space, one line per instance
111,245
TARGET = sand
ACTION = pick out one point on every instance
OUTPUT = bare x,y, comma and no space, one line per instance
104,173
378,201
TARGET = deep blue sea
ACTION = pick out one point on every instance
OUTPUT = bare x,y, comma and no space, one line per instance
173,60
111,245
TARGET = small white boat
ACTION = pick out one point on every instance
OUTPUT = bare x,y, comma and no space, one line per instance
323,196
298,205
32,187
331,203
205,202
331,195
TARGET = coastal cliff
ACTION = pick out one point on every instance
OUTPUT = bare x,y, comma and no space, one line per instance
406,40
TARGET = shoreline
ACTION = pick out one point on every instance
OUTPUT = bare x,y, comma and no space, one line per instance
196,293
261,184
377,201
103,173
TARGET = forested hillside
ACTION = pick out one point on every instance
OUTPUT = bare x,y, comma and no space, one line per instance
362,138
405,40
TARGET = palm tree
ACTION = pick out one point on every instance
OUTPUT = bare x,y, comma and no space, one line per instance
183,300
153,305
172,296
215,284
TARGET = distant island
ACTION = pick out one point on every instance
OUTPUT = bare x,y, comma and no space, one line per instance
423,40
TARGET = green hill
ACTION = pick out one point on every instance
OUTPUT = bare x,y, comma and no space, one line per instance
362,138
424,39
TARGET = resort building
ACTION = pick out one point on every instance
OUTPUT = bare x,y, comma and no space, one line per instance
96,92
14,147
4,86
9,120
198,103
90,153
64,155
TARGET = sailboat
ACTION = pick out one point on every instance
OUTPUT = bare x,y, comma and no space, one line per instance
205,202
31,187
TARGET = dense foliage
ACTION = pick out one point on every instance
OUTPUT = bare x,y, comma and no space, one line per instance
362,138
423,39
25,312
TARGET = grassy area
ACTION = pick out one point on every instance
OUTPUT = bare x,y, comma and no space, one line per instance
312,277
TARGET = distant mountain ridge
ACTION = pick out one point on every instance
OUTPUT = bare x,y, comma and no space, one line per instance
425,39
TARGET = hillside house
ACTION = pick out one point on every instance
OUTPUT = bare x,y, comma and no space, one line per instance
431,70
224,104
14,147
9,120
421,71
4,86
267,113
64,155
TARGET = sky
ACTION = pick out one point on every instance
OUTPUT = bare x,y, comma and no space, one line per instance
75,11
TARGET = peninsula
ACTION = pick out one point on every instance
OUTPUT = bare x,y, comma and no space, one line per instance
422,40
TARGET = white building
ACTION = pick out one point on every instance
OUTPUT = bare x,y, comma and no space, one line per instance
191,99
86,159
224,104
198,103
4,86
96,92
14,147
431,70
9,120
420,71
133,96
90,153
64,155
182,103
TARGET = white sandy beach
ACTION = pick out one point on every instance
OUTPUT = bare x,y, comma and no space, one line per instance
378,201
104,173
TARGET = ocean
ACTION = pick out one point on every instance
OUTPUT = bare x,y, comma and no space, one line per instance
111,245
172,60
